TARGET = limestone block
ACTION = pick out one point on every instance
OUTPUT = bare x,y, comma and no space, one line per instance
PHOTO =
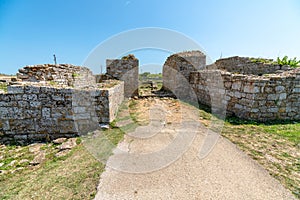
236,85
296,90
282,96
272,96
30,97
46,113
35,104
279,88
32,90
15,89
237,94
273,109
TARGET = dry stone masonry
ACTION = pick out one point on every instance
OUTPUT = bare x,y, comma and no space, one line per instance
246,89
41,112
62,74
127,70
244,65
183,63
252,97
108,102
52,101
37,109
177,69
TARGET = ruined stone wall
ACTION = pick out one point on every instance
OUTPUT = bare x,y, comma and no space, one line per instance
177,69
258,98
184,63
109,101
244,65
208,86
247,89
127,70
41,112
62,74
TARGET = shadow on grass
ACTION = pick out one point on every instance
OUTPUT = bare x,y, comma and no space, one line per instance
234,120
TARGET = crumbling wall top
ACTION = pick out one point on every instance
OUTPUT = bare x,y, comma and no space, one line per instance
62,74
248,66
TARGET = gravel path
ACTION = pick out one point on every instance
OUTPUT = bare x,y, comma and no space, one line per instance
226,173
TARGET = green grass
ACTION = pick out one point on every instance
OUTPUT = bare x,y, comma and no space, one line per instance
16,154
262,60
101,144
149,76
130,127
289,130
115,135
72,176
158,76
294,63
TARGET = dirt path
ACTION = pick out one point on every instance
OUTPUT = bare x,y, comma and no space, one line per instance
143,165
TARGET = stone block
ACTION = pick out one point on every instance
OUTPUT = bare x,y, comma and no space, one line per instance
35,104
273,96
251,89
279,88
78,110
296,90
15,89
236,85
237,94
238,106
30,97
46,113
273,109
32,90
282,96
255,110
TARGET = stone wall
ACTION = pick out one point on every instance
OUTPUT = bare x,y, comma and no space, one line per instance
177,69
246,89
29,112
127,70
260,98
109,102
244,65
185,63
62,74
64,100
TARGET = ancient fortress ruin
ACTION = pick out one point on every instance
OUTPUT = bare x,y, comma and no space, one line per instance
246,89
51,101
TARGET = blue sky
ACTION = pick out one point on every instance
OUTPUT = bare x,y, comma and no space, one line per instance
32,31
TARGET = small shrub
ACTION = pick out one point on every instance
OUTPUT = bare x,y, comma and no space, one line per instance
286,61
78,140
74,75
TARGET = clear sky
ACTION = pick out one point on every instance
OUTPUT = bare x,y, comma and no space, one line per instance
31,31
